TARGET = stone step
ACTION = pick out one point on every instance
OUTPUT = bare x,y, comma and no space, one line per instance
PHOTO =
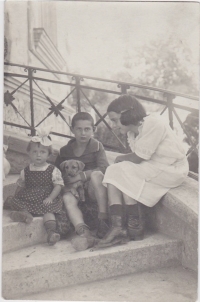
175,284
17,235
41,267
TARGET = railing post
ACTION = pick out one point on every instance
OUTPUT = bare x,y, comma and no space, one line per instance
170,98
78,94
30,77
124,88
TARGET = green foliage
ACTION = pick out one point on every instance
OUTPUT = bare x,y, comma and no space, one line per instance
165,63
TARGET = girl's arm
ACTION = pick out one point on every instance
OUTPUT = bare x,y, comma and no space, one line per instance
134,158
53,195
56,191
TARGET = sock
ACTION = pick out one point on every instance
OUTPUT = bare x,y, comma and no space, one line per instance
116,209
50,226
103,216
132,210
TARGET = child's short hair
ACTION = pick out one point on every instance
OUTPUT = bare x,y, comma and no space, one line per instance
82,116
130,108
28,149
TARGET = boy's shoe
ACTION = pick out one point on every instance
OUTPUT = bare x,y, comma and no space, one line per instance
83,230
102,228
85,239
21,216
52,238
83,243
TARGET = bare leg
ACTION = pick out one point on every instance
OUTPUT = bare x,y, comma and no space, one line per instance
128,200
101,197
100,191
74,213
48,216
85,238
114,195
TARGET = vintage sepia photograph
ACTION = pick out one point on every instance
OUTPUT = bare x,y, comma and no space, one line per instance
100,151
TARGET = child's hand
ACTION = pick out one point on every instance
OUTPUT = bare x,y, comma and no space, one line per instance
72,179
119,159
74,192
47,201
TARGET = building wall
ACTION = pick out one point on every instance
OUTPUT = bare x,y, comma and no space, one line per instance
31,34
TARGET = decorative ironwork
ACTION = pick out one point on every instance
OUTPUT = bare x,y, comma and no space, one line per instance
8,98
167,100
56,109
103,120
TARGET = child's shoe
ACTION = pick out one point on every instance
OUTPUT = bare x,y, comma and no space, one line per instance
85,239
21,216
103,228
52,238
52,235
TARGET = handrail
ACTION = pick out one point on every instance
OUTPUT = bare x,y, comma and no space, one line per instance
167,100
109,81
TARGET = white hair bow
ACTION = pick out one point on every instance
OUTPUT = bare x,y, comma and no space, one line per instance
43,136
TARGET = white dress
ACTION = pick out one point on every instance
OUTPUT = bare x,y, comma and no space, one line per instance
164,166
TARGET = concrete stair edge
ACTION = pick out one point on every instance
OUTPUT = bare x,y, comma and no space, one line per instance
18,235
176,215
181,201
30,270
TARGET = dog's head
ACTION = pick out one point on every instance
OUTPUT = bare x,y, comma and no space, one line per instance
71,167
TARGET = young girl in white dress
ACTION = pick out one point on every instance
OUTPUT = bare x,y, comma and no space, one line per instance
39,187
156,164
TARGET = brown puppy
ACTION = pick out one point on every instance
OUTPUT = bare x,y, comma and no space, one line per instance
72,168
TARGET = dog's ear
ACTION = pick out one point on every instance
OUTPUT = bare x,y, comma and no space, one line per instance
62,165
81,165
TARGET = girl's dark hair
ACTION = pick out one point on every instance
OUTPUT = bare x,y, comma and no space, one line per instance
82,116
28,149
130,108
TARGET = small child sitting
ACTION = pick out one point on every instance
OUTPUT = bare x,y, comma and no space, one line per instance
86,149
39,187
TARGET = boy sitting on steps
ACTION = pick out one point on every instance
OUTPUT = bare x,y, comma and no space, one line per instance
91,152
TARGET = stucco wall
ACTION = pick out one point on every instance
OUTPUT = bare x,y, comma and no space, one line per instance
20,19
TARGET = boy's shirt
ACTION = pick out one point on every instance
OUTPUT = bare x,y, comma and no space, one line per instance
94,156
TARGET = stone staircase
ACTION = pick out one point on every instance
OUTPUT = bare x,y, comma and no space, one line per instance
30,266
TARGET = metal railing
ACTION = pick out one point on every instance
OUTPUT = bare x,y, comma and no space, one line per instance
30,75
